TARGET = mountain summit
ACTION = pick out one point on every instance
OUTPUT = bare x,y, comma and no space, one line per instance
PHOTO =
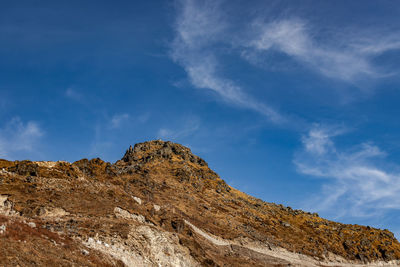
161,205
159,149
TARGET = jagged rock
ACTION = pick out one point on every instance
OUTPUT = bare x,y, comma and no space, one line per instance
147,151
129,155
25,167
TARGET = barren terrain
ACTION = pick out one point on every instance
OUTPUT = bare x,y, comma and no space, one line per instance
160,205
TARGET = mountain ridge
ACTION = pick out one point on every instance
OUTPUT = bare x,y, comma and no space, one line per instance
168,192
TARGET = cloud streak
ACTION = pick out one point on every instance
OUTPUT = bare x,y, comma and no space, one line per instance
357,183
188,127
118,119
348,58
19,138
293,37
204,32
200,26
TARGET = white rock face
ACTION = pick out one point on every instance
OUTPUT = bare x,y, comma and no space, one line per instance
157,247
138,200
3,204
156,207
117,251
162,248
6,206
4,171
47,164
50,212
121,213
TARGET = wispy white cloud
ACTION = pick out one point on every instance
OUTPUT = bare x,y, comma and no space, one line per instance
118,119
187,127
374,43
122,119
19,138
204,32
318,141
357,182
347,58
200,26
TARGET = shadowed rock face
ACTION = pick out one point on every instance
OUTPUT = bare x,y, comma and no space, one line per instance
162,205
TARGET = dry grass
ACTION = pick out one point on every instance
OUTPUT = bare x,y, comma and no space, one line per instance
170,176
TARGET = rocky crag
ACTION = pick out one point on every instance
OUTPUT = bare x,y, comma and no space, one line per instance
160,205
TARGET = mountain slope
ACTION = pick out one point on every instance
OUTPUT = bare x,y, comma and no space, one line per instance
162,205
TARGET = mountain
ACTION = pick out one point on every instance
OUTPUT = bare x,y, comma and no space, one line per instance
160,205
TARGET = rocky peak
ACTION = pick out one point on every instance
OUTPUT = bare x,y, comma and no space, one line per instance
158,149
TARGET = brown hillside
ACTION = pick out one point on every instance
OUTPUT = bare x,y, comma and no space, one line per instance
162,205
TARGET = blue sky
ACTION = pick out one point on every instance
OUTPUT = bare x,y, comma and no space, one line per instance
295,102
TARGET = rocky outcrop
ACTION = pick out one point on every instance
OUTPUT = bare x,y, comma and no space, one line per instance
160,205
156,150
